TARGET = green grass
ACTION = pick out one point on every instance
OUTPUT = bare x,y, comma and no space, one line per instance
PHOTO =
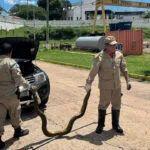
66,57
139,64
19,32
136,64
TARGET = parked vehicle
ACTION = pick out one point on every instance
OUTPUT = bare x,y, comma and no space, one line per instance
24,52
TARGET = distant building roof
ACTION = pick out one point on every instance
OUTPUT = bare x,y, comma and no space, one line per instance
129,12
76,4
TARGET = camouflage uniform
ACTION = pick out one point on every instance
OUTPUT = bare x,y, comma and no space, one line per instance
10,79
108,70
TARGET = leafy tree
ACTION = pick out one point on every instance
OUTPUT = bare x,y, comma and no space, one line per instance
21,11
0,9
15,9
66,5
42,3
147,15
57,8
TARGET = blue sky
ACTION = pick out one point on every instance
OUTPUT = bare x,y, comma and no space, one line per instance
7,4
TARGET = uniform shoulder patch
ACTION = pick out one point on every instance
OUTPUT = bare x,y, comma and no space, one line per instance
15,66
98,57
119,53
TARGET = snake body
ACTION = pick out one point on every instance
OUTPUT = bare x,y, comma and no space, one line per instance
71,122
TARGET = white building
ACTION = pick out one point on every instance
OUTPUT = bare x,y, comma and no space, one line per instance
85,9
81,11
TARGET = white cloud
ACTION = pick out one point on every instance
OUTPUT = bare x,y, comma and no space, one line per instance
29,1
12,2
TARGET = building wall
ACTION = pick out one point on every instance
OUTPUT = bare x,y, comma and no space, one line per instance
129,17
75,13
80,9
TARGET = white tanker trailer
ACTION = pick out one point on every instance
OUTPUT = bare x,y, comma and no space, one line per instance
92,43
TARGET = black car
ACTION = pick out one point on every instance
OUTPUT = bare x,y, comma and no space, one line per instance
24,52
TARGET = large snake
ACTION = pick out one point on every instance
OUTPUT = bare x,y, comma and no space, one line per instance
44,119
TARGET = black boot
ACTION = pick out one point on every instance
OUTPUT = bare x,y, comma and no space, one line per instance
20,132
2,144
101,120
115,121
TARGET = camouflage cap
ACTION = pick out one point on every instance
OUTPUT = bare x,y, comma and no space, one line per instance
111,40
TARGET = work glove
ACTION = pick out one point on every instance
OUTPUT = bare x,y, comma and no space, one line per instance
128,86
87,87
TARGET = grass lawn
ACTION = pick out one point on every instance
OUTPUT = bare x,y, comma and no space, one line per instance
139,64
67,57
136,64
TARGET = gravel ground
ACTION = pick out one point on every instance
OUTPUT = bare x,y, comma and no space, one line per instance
65,101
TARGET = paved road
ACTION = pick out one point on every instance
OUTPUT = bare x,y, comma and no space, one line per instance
65,101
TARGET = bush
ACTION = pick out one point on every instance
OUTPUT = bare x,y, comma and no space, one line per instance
62,33
39,35
82,32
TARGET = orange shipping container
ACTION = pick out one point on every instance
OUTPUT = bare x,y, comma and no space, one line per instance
132,41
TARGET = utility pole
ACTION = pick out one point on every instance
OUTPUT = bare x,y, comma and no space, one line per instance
81,10
27,10
34,21
47,25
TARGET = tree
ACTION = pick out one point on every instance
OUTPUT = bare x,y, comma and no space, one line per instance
57,8
1,9
21,11
66,6
147,15
42,3
15,9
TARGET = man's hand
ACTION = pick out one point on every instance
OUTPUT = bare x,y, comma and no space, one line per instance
34,87
87,87
128,86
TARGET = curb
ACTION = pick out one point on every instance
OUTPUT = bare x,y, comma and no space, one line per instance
142,77
135,76
65,64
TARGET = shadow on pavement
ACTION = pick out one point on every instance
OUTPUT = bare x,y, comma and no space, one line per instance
9,142
94,138
27,114
39,144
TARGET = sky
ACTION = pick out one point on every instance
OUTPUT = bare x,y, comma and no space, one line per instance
7,4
